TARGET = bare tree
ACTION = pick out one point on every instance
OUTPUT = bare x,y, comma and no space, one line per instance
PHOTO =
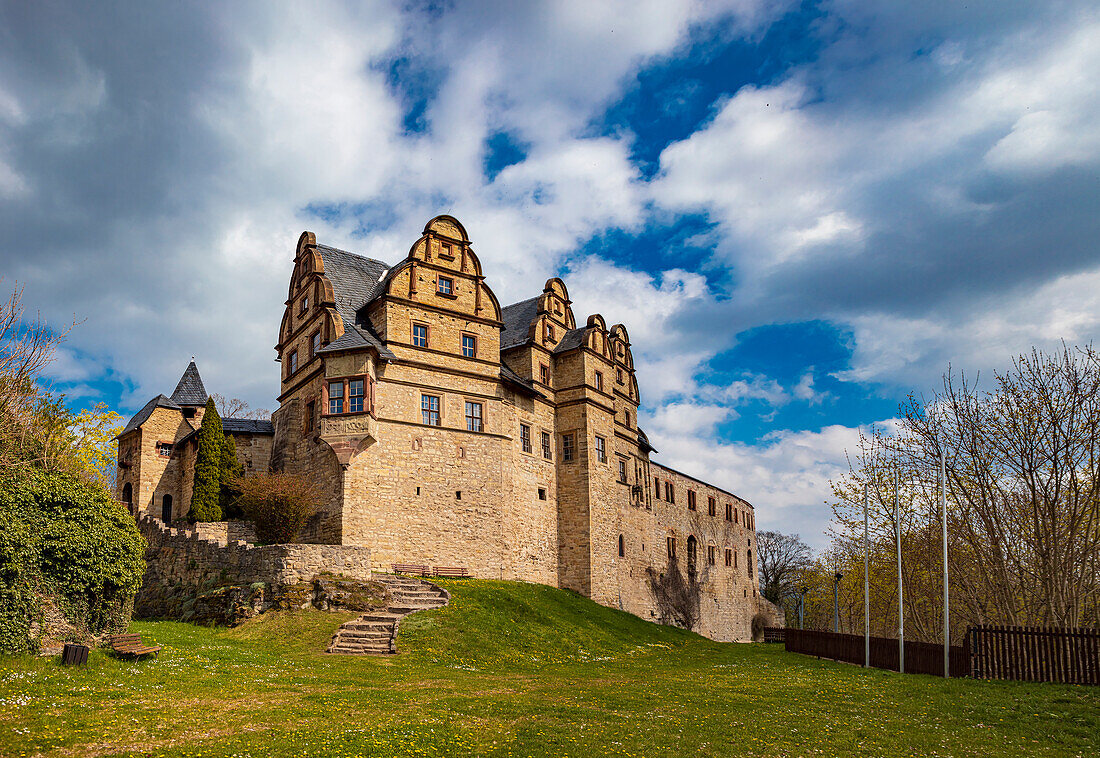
781,558
237,408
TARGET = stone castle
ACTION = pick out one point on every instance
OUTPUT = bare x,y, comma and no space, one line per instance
448,430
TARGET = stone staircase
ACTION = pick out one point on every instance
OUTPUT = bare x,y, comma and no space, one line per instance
376,632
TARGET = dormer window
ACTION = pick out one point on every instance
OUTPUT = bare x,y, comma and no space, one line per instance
550,332
445,286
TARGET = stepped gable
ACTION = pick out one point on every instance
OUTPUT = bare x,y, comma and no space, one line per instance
160,401
356,281
190,390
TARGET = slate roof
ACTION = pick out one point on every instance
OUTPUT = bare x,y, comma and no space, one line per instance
356,281
247,426
190,391
160,401
517,319
509,375
571,340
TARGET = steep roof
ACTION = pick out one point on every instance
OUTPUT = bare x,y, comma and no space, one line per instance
190,391
356,281
247,426
160,401
571,340
517,319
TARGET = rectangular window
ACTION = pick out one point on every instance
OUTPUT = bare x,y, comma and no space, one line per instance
729,512
314,344
670,494
429,409
748,562
355,395
544,373
671,547
711,550
525,437
445,250
619,375
420,335
626,414
622,471
599,381
304,305
567,442
549,331
542,493
691,500
469,345
473,416
445,285
729,557
335,397
292,362
547,453
311,409
712,507
657,487
735,560
601,449
735,517
164,449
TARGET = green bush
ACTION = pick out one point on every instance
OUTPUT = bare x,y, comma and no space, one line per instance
279,504
69,541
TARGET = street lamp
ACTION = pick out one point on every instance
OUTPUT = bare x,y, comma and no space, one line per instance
836,602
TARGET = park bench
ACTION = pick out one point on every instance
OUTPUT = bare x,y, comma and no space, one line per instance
415,569
459,571
131,645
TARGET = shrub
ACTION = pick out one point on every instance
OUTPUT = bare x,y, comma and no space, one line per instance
279,504
70,545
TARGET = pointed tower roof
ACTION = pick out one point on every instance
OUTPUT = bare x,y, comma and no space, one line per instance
190,391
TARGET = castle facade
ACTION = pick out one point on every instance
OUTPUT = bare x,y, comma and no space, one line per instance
446,429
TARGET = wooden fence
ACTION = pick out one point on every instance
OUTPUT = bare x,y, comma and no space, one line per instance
773,634
920,657
1034,654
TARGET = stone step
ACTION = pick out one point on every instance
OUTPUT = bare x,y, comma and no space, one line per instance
407,609
360,636
378,616
368,626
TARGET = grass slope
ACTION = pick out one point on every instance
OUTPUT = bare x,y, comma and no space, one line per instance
514,669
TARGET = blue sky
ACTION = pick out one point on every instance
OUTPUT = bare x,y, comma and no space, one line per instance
801,211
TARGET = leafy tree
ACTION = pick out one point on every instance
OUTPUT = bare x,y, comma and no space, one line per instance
279,504
93,444
209,465
781,557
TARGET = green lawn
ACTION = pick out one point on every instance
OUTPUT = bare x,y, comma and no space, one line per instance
514,669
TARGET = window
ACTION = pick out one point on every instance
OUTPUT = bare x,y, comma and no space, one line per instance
542,493
712,507
355,396
601,449
311,409
619,375
544,373
567,444
292,363
711,552
304,305
429,409
672,547
469,345
599,381
657,487
549,331
622,471
626,414
729,512
547,453
670,494
164,449
691,500
314,344
445,250
445,285
748,562
525,437
473,416
420,335
335,397
735,517
622,547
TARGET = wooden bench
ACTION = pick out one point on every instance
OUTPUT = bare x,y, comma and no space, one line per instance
415,569
458,571
131,646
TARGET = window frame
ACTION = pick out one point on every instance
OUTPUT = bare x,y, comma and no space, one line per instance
601,448
310,416
691,500
598,382
670,492
619,376
449,291
544,374
670,544
525,438
546,442
303,305
729,511
476,419
427,333
292,362
446,250
712,507
712,555
339,398
549,331
362,396
568,446
623,476
438,411
463,336
314,344
657,487
344,383
161,447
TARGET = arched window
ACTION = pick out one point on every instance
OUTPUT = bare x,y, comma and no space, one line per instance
622,547
166,509
691,556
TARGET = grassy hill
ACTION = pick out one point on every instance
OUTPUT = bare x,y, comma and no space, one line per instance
514,669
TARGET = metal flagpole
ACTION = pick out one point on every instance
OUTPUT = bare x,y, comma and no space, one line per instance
901,598
866,589
946,601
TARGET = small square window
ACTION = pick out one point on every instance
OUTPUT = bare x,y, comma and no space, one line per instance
164,449
446,250
473,416
525,438
599,381
469,345
420,335
601,449
429,409
542,493
335,397
547,453
567,446
446,285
